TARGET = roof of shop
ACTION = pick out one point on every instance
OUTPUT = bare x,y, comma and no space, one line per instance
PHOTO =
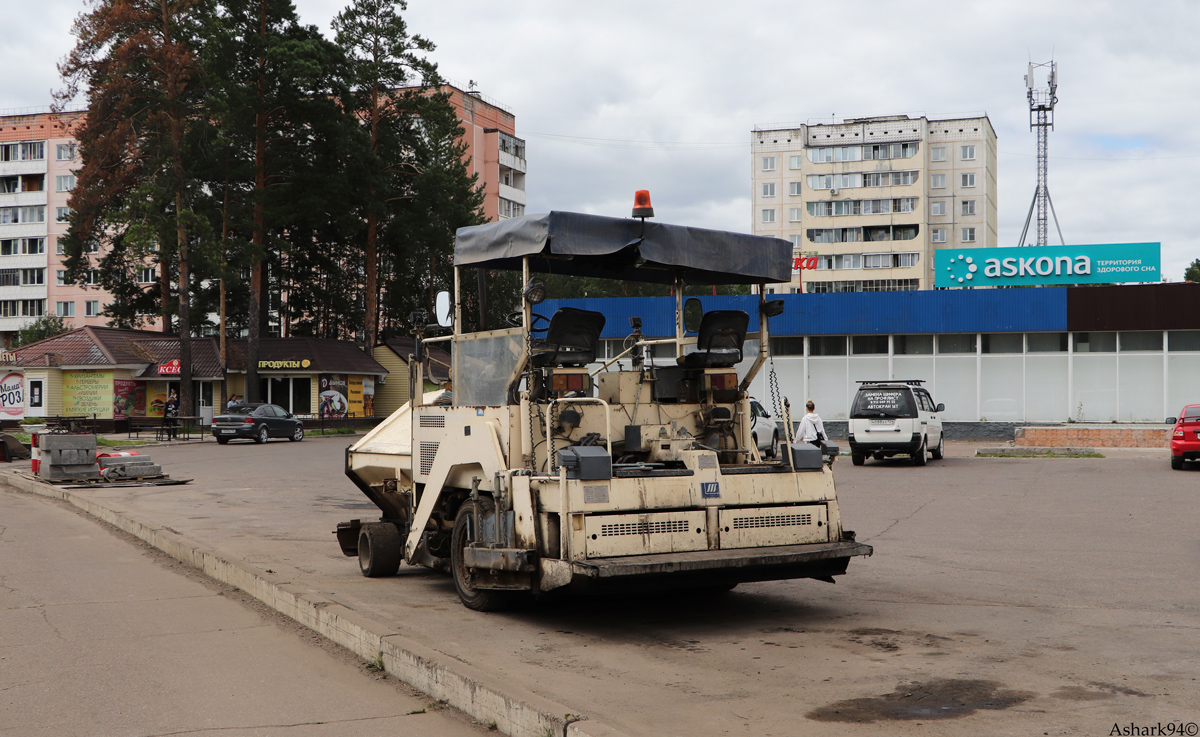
100,346
325,355
206,357
405,346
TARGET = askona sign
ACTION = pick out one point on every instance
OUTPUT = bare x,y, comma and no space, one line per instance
1047,265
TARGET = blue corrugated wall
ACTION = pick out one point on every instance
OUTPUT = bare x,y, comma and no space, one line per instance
1040,309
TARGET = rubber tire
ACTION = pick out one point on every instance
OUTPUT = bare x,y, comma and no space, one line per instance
1177,463
297,436
480,600
919,458
774,452
222,441
940,451
858,459
380,550
262,435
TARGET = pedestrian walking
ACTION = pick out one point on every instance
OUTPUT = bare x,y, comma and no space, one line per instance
171,416
812,430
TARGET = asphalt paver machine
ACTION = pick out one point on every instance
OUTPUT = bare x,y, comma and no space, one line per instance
541,466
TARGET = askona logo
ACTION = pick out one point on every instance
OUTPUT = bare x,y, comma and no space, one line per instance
962,268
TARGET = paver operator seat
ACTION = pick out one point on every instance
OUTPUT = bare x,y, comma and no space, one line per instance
719,340
570,340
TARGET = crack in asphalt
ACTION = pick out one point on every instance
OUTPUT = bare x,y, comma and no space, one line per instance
203,730
901,519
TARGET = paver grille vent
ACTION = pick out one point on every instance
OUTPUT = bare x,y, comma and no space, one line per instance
772,520
433,420
644,528
428,453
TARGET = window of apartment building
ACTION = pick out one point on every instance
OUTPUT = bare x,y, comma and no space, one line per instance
968,207
968,235
33,276
768,163
890,260
147,275
937,153
33,307
768,215
967,153
794,188
33,151
32,214
64,182
845,181
9,185
65,152
64,309
937,209
794,214
968,180
834,235
822,155
10,247
91,308
820,209
797,241
33,182
93,276
508,209
10,277
889,151
883,207
889,179
937,235
846,207
820,181
840,261
768,189
28,246
937,181
794,162
62,214
60,278
847,153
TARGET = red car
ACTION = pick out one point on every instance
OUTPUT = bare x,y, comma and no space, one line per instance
1185,439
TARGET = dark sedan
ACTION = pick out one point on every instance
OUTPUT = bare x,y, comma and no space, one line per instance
257,422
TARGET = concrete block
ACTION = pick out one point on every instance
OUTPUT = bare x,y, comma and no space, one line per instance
69,456
124,461
58,473
55,441
132,471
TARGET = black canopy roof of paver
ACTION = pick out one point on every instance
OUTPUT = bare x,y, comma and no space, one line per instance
614,248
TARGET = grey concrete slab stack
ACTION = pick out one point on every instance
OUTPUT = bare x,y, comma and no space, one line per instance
68,457
139,466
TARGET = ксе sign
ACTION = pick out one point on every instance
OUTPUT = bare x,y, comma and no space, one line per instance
170,368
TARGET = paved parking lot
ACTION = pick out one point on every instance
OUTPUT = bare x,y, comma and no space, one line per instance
1005,596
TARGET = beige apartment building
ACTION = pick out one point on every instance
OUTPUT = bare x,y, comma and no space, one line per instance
866,202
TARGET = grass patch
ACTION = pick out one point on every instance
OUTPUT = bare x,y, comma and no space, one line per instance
113,443
332,431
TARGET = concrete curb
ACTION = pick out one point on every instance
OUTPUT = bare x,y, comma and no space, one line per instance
1034,451
514,711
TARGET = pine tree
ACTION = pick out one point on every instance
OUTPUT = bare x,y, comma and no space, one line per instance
139,60
1192,273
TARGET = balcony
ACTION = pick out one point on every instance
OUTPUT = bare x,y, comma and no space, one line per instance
512,162
18,199
513,194
9,168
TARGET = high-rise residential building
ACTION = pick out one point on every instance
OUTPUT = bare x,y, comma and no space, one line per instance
493,151
866,202
38,160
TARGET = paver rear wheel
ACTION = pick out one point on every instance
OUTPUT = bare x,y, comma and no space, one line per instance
465,527
380,549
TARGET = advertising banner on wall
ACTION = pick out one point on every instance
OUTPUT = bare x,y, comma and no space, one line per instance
368,384
129,399
333,396
156,398
12,395
87,393
1113,263
354,396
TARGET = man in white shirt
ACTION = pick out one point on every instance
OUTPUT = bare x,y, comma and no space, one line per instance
812,430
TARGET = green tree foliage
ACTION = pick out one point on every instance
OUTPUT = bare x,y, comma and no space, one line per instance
46,326
1192,273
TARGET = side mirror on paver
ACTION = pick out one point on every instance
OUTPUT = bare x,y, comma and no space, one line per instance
442,309
693,313
940,408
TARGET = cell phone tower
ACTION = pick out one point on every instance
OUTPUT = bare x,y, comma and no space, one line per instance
1041,119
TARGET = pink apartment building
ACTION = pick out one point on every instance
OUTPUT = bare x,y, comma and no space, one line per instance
493,151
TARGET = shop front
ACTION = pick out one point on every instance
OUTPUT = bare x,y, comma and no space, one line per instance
311,377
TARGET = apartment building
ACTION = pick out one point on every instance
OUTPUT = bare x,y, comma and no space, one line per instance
493,151
866,202
38,160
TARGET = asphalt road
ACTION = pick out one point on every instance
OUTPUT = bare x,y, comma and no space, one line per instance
102,635
1005,596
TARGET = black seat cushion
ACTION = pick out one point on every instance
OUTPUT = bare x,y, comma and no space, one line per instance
570,340
719,340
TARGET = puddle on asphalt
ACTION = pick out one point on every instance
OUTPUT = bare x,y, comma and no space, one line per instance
936,699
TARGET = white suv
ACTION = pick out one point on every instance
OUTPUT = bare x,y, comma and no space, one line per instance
895,418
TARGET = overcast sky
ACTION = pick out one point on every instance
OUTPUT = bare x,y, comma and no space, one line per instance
617,96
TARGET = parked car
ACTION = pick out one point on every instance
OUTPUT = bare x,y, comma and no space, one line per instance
765,431
895,418
1185,438
257,422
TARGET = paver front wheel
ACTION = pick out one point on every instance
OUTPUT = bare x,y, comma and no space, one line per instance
297,435
380,549
262,435
481,600
940,450
919,456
